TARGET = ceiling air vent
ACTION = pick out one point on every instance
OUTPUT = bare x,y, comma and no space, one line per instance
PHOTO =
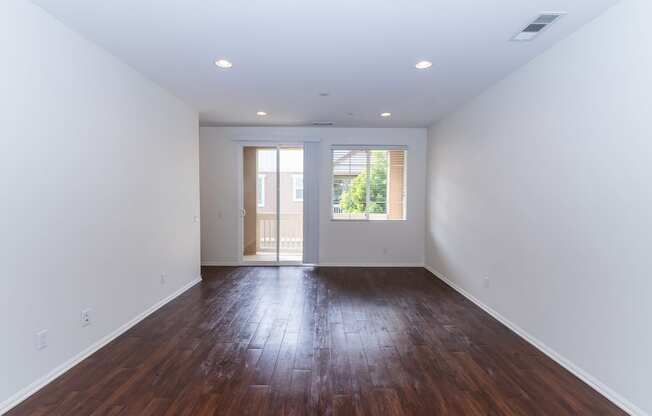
322,123
537,26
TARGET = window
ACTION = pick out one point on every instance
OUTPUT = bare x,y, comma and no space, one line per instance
369,183
260,191
297,188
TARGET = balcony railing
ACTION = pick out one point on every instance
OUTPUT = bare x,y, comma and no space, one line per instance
291,227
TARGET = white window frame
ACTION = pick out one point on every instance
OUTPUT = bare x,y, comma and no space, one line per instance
369,148
260,202
295,188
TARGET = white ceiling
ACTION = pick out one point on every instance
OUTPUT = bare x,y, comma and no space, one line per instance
285,52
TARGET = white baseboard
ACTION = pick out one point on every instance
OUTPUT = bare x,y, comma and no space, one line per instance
339,264
580,373
24,393
322,264
221,263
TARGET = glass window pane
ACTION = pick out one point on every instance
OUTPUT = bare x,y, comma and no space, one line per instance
291,207
350,184
260,191
266,215
368,184
297,187
377,208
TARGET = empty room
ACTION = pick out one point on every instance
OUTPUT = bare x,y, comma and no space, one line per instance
325,207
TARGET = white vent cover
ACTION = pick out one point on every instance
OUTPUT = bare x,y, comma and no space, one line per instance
538,25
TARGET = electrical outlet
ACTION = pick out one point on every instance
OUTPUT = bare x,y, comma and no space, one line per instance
41,339
486,282
86,317
164,278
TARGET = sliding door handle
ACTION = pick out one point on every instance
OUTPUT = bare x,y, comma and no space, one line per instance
243,212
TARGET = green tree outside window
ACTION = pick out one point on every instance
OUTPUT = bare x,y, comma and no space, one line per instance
354,199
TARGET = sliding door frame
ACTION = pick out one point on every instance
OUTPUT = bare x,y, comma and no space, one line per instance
241,144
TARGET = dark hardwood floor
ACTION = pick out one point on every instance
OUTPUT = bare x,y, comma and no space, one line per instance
328,341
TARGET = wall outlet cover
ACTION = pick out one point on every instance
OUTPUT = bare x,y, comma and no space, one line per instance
86,317
41,339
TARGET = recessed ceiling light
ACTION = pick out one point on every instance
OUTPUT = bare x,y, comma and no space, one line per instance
261,113
385,114
423,65
223,63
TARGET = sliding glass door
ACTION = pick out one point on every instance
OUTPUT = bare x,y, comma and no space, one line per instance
290,204
273,204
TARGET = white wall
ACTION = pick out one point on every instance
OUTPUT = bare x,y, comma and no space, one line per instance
339,242
542,183
99,186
